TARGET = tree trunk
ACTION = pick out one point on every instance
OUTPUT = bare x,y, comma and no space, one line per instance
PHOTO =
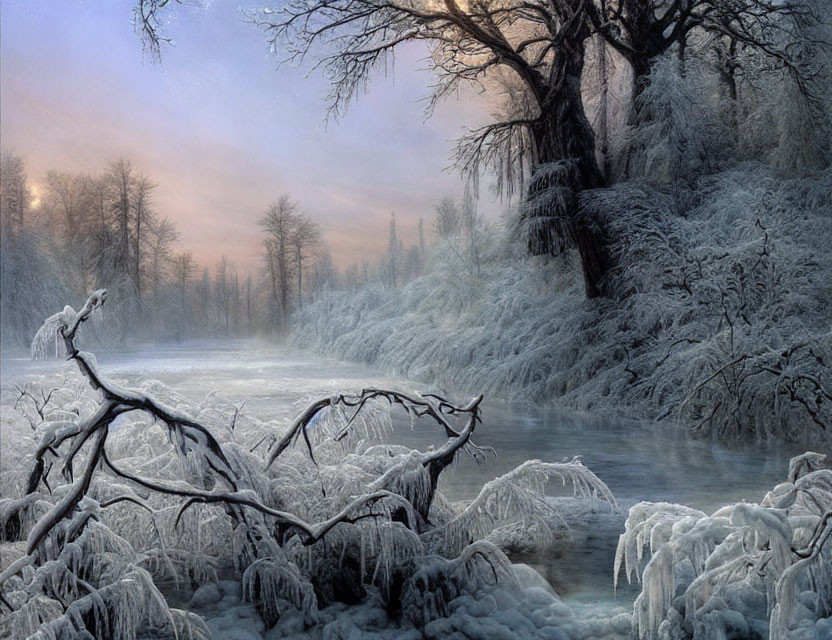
124,229
249,322
647,40
284,288
565,149
137,267
299,261
603,107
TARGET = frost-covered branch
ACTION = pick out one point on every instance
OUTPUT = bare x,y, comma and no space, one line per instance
312,532
777,552
431,406
372,504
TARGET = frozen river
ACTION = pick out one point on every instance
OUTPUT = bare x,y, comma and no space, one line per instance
637,461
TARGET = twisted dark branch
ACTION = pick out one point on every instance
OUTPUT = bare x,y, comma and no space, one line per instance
192,437
428,405
68,503
311,532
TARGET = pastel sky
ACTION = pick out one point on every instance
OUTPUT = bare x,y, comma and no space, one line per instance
220,128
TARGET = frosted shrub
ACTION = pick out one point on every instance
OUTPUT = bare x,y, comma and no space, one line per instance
671,146
745,571
737,315
111,522
722,322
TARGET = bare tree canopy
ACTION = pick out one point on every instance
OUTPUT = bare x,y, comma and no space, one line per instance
291,241
641,30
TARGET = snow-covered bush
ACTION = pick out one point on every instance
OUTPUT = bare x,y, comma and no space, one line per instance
674,142
746,571
122,499
722,322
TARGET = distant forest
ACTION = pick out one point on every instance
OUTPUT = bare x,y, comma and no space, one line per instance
81,232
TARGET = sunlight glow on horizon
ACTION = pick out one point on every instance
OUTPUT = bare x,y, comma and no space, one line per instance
221,130
35,195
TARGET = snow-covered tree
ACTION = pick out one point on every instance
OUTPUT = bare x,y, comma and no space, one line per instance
745,570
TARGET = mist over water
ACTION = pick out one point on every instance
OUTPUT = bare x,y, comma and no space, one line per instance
639,461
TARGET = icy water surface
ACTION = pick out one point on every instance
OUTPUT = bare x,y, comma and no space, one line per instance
637,461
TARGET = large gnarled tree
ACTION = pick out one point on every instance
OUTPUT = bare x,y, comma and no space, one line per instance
539,44
535,50
536,46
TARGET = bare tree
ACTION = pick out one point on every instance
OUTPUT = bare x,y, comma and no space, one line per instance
64,193
279,222
446,217
67,202
223,291
394,250
274,281
305,237
142,218
121,176
184,269
236,306
162,233
249,307
460,226
324,275
100,227
204,297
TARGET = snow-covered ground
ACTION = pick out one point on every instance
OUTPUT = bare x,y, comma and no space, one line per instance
638,462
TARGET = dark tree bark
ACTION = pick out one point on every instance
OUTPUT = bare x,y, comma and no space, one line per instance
563,134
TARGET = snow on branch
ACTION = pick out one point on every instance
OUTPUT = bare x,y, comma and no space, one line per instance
127,509
778,553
